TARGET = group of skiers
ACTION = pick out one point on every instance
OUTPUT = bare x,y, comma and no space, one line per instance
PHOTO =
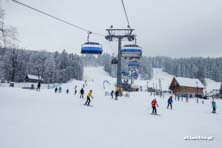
81,92
154,105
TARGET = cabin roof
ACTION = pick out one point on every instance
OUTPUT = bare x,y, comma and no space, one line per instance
189,82
34,77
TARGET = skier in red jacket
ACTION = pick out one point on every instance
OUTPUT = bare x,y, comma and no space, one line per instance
154,105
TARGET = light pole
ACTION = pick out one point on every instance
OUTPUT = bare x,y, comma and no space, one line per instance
197,91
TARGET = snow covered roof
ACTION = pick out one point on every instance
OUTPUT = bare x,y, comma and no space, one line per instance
34,77
189,82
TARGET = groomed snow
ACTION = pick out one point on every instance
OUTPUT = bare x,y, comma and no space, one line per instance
31,119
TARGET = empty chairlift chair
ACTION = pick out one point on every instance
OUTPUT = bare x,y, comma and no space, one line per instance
133,64
91,47
131,51
134,75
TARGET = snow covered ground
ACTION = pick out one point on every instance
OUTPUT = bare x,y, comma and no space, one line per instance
31,119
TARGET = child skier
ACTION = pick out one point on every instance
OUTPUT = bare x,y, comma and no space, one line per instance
170,102
154,105
214,106
89,95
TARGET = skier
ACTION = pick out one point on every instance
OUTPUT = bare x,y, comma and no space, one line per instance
75,90
116,94
67,91
154,105
89,95
56,89
214,106
60,89
82,93
39,86
112,92
170,102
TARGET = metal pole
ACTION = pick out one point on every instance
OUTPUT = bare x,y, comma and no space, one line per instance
119,69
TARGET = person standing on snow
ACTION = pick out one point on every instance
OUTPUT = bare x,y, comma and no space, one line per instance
214,106
170,102
60,89
116,94
82,93
154,105
75,91
112,92
56,89
38,86
89,95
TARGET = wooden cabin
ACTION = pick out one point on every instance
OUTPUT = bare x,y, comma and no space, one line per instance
186,87
33,78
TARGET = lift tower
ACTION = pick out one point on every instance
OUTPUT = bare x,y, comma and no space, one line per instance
119,34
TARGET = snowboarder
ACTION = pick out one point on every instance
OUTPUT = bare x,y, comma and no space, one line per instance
60,89
112,92
89,95
67,91
75,91
154,105
56,89
170,102
82,93
214,106
38,86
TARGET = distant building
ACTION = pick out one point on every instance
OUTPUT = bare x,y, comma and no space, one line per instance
186,87
33,78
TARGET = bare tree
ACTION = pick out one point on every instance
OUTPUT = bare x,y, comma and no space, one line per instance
8,35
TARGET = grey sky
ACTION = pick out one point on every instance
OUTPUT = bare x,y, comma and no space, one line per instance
175,28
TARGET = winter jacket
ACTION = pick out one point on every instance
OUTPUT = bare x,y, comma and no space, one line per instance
170,100
214,104
89,94
154,103
82,91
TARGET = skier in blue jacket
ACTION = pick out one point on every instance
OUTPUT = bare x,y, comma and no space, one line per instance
214,106
170,102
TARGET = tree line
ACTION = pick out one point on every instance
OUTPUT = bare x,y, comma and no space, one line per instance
52,67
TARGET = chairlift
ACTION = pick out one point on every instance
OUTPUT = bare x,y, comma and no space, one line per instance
131,51
133,64
91,47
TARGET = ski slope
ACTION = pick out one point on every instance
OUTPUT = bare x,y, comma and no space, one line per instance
31,119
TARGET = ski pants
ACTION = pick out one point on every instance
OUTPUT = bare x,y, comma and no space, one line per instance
214,110
154,110
87,101
169,105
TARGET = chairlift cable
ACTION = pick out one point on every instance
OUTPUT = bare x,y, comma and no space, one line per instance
125,13
56,18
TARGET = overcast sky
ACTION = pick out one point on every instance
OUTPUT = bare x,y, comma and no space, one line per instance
176,28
